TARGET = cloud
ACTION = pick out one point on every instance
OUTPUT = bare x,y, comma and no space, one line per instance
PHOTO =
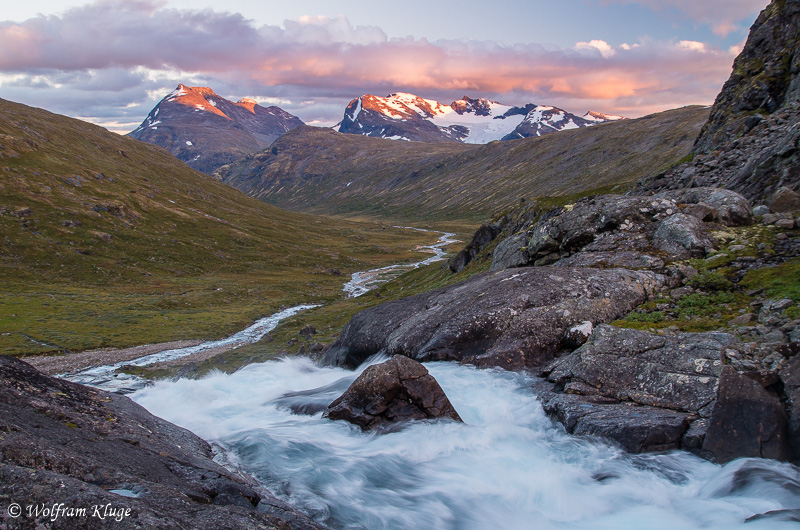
119,56
724,16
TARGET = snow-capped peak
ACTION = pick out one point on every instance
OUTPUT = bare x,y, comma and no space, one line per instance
601,117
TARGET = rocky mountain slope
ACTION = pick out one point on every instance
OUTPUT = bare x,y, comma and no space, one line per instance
207,131
404,116
751,142
66,448
321,171
108,241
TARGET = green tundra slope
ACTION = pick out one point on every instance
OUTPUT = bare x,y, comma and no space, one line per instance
320,171
108,241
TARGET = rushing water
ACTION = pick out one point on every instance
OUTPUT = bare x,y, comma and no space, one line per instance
107,378
507,466
361,282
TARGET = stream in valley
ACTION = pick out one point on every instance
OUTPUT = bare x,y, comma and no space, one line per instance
363,281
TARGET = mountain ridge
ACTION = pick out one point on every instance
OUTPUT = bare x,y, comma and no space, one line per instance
406,116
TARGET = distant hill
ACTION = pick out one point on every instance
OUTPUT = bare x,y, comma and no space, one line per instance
108,241
404,116
207,131
322,171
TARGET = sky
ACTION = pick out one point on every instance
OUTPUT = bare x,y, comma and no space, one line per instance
110,61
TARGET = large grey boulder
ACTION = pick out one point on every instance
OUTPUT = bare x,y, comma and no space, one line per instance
513,319
679,372
395,391
683,236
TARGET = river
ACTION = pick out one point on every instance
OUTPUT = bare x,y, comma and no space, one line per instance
508,466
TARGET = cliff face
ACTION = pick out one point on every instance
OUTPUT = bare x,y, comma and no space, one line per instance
751,142
764,79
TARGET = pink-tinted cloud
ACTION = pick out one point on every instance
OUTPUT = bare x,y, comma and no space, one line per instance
724,16
317,57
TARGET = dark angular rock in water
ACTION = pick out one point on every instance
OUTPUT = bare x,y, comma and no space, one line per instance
61,442
513,319
636,428
748,421
394,391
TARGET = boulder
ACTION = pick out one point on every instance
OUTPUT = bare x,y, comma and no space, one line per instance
564,231
398,390
513,319
784,200
679,372
747,421
683,236
636,428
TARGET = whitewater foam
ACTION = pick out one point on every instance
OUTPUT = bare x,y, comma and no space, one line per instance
507,466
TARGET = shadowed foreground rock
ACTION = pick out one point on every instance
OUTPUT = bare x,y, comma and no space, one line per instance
394,391
513,319
747,421
65,444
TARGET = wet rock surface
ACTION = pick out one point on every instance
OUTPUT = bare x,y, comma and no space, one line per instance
61,442
513,319
393,392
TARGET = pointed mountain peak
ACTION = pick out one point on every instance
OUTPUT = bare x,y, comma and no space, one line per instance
248,103
202,98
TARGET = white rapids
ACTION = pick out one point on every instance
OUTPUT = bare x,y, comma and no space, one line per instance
507,467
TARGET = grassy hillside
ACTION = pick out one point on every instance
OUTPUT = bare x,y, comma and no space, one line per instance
321,171
108,241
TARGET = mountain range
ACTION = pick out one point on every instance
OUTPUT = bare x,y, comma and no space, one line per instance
206,130
322,171
403,116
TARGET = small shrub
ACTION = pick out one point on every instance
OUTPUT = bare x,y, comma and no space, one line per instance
649,318
710,281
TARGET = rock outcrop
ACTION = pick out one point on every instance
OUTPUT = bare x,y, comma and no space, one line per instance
61,442
513,319
750,142
635,232
654,392
392,392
